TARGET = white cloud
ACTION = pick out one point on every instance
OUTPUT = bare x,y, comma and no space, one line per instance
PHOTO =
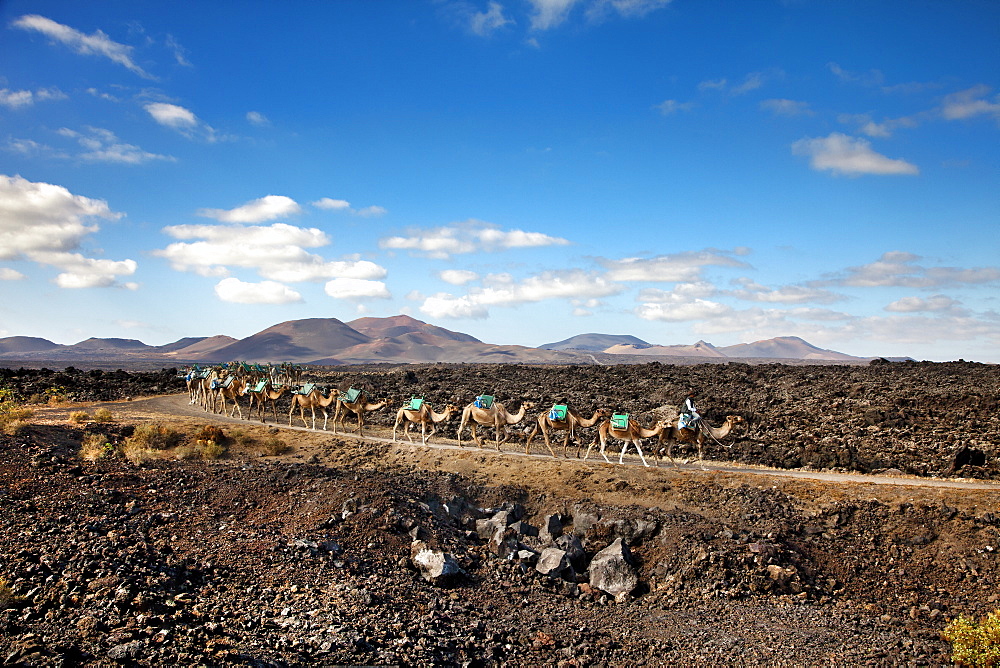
787,294
842,154
969,103
45,223
678,267
897,268
356,288
94,44
179,52
265,292
782,107
550,13
681,293
8,274
276,252
503,290
258,119
485,23
15,99
696,309
668,107
103,146
468,237
255,211
172,115
372,211
869,78
458,276
933,304
332,204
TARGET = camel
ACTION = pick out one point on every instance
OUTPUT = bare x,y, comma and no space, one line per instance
312,400
266,393
235,389
424,415
359,407
206,389
687,435
571,422
631,434
495,416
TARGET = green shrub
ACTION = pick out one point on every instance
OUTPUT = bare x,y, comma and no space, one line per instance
94,447
975,643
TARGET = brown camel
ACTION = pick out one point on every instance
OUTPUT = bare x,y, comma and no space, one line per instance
631,434
495,416
234,389
312,400
572,421
266,393
676,434
359,407
424,415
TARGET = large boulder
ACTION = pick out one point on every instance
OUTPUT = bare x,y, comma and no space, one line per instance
612,570
436,566
555,563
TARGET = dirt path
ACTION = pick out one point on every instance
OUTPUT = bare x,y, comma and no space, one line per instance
177,405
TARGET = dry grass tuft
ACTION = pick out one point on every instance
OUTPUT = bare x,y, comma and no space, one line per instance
155,436
79,417
274,446
7,597
94,447
103,415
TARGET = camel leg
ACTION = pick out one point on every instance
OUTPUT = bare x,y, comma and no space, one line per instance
638,449
604,451
548,443
527,444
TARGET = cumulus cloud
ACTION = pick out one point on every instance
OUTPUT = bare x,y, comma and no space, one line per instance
446,306
97,43
102,145
853,156
342,205
265,292
970,103
356,288
180,119
677,267
687,301
468,237
255,211
46,224
457,276
8,274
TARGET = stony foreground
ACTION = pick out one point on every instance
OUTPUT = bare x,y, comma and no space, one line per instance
346,552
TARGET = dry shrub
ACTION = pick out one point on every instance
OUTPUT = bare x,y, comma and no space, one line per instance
242,438
138,454
210,432
274,446
79,417
8,599
37,398
211,450
103,415
13,418
94,447
15,427
155,436
188,451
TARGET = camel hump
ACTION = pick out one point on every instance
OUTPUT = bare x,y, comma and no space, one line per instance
619,421
558,412
484,401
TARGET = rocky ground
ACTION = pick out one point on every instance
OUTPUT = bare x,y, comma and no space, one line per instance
342,551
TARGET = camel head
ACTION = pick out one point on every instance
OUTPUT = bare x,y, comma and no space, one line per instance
451,408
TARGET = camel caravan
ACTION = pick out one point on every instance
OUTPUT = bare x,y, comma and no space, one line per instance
215,388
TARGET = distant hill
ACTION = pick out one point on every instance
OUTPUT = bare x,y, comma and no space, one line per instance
292,341
784,347
180,344
201,346
700,349
109,344
595,342
398,325
23,344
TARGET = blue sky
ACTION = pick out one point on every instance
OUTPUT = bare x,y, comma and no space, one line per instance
520,170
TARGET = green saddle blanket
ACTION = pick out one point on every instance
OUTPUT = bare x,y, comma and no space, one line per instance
259,387
484,401
619,421
416,403
306,389
351,395
558,412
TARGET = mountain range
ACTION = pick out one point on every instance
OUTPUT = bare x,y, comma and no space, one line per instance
402,339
